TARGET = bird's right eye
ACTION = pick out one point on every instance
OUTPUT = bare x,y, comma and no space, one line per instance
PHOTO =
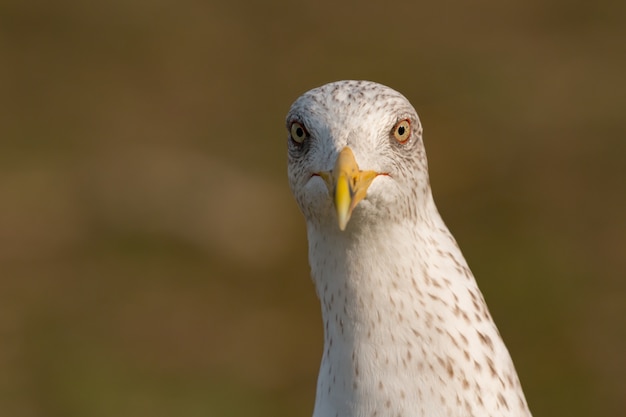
298,133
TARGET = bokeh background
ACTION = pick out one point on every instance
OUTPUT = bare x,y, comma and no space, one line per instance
153,263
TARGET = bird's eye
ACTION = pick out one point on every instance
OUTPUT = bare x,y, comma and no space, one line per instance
298,132
402,131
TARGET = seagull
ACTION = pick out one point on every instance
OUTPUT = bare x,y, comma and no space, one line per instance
406,329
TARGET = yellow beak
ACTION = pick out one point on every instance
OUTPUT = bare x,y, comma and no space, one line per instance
347,184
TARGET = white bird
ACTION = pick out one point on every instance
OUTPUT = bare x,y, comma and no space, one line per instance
406,329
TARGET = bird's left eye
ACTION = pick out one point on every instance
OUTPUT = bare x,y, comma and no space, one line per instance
298,132
402,131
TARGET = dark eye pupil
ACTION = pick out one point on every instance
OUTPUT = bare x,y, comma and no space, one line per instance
401,130
299,132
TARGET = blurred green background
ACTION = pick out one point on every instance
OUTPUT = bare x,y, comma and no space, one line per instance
153,263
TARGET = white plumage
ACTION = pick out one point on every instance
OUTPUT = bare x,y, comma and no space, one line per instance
406,330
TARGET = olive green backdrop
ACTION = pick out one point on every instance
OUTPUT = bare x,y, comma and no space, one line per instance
153,263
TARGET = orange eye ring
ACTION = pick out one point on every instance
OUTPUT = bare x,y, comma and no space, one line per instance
402,131
298,133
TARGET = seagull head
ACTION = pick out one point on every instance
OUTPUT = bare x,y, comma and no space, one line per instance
355,152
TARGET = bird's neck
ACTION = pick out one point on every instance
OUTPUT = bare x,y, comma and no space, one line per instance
368,275
393,300
372,280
